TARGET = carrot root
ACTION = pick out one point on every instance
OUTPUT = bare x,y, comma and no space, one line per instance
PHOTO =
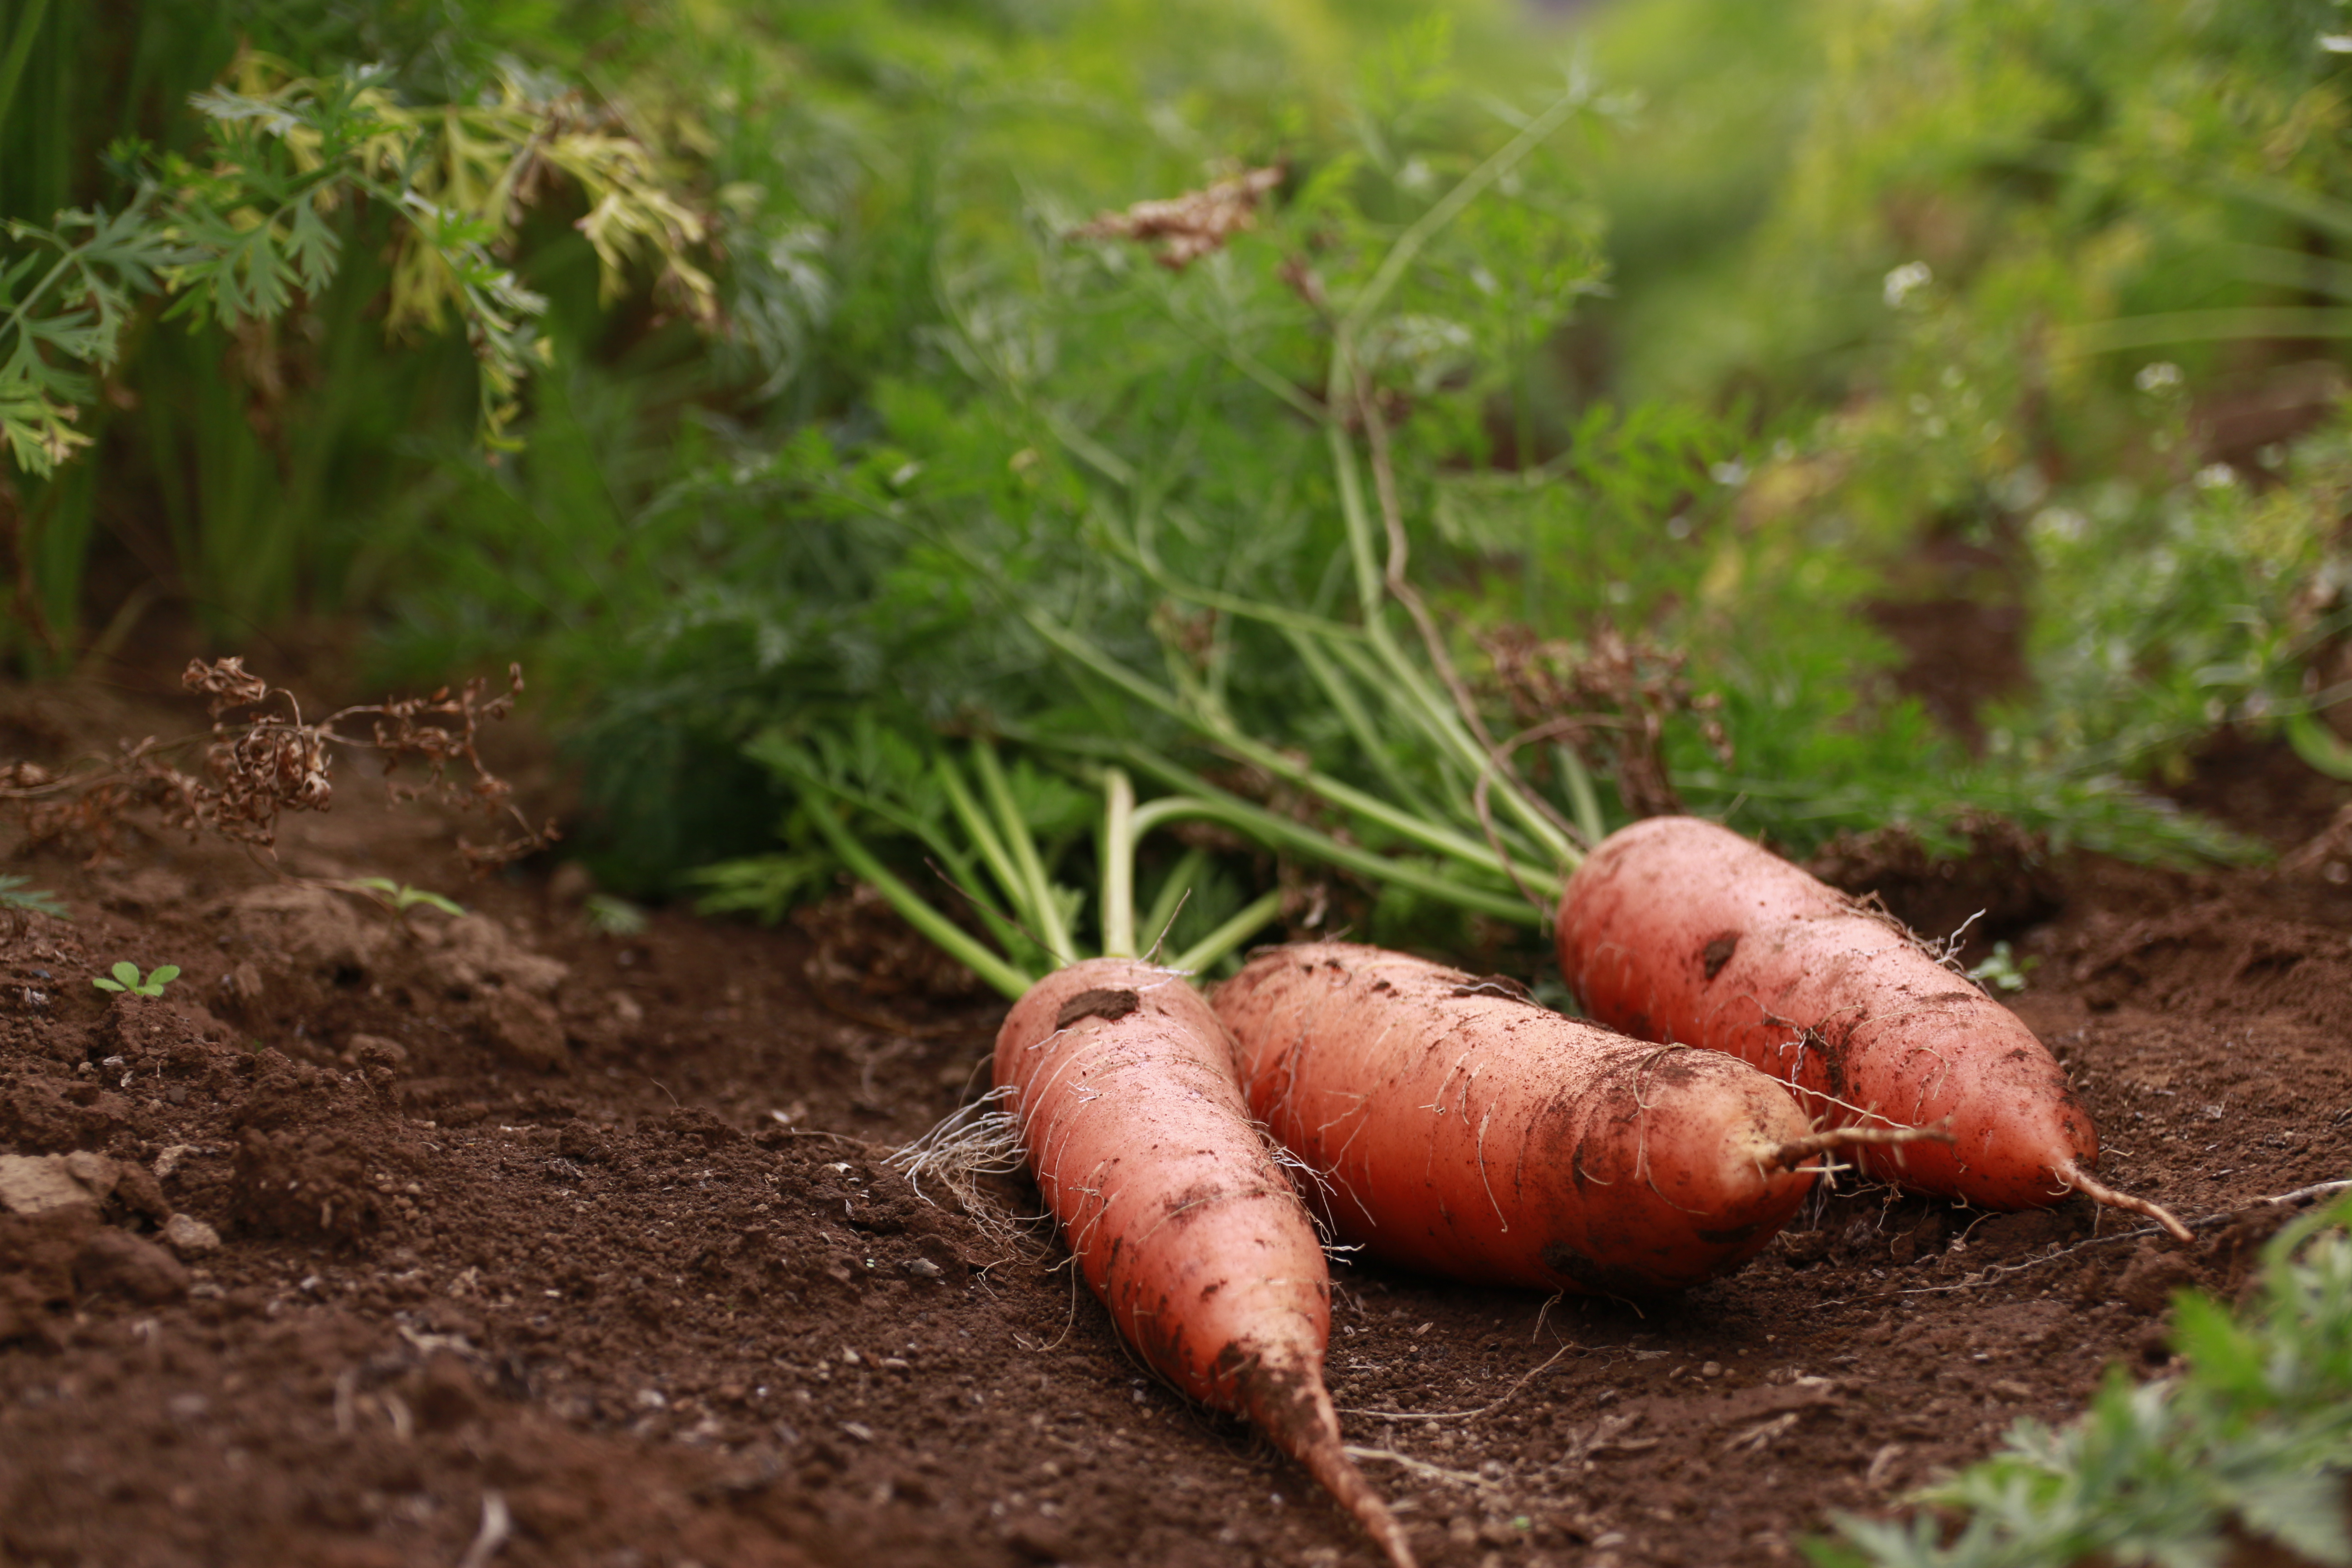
2097,1191
1120,1083
1788,1156
1292,1405
1677,929
1459,1128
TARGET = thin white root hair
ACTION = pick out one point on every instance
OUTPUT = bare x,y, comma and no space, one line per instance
1947,951
1759,1436
972,1141
1993,1273
1487,1409
496,1529
1423,1468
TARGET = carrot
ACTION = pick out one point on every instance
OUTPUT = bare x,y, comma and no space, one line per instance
1118,1091
1122,1084
1676,928
1458,1126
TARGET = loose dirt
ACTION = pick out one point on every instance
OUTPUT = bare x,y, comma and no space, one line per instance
504,1239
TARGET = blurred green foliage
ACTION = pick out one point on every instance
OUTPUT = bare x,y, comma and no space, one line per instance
2061,285
210,252
1790,290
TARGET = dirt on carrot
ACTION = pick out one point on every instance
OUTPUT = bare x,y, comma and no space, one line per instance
552,1246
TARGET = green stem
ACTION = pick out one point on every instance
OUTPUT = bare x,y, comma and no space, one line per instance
1045,912
20,45
1443,723
1470,188
1169,808
1278,832
1429,835
1434,723
1092,452
1130,550
1435,717
1228,936
1371,587
1120,836
983,837
1582,800
15,320
2265,322
942,933
1171,896
1359,720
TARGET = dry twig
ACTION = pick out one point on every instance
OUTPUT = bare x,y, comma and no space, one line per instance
259,765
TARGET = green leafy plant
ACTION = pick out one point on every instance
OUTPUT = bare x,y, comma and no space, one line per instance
239,235
399,898
764,886
126,978
2001,217
611,915
2251,1441
18,893
1001,840
2003,971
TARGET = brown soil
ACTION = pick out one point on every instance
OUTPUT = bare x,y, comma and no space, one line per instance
544,1246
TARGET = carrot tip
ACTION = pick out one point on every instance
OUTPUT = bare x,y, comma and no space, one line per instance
1291,1403
2091,1187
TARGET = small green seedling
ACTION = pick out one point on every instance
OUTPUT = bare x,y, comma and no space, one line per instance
126,979
400,898
613,917
16,895
2002,970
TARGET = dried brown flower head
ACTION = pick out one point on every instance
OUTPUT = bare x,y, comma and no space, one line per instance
1609,700
1190,225
259,763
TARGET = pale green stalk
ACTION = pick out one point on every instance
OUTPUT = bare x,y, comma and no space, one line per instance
1171,896
1582,799
1429,835
20,45
1359,720
1228,936
943,933
1119,866
1278,832
1045,912
984,835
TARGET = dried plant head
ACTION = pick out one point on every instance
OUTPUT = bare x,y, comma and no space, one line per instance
1610,699
261,759
1188,226
227,682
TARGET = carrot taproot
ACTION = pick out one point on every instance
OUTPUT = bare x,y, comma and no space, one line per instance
1121,1083
1677,929
1456,1125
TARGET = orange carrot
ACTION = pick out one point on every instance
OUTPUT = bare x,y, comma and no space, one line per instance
1676,928
1458,1126
1122,1084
